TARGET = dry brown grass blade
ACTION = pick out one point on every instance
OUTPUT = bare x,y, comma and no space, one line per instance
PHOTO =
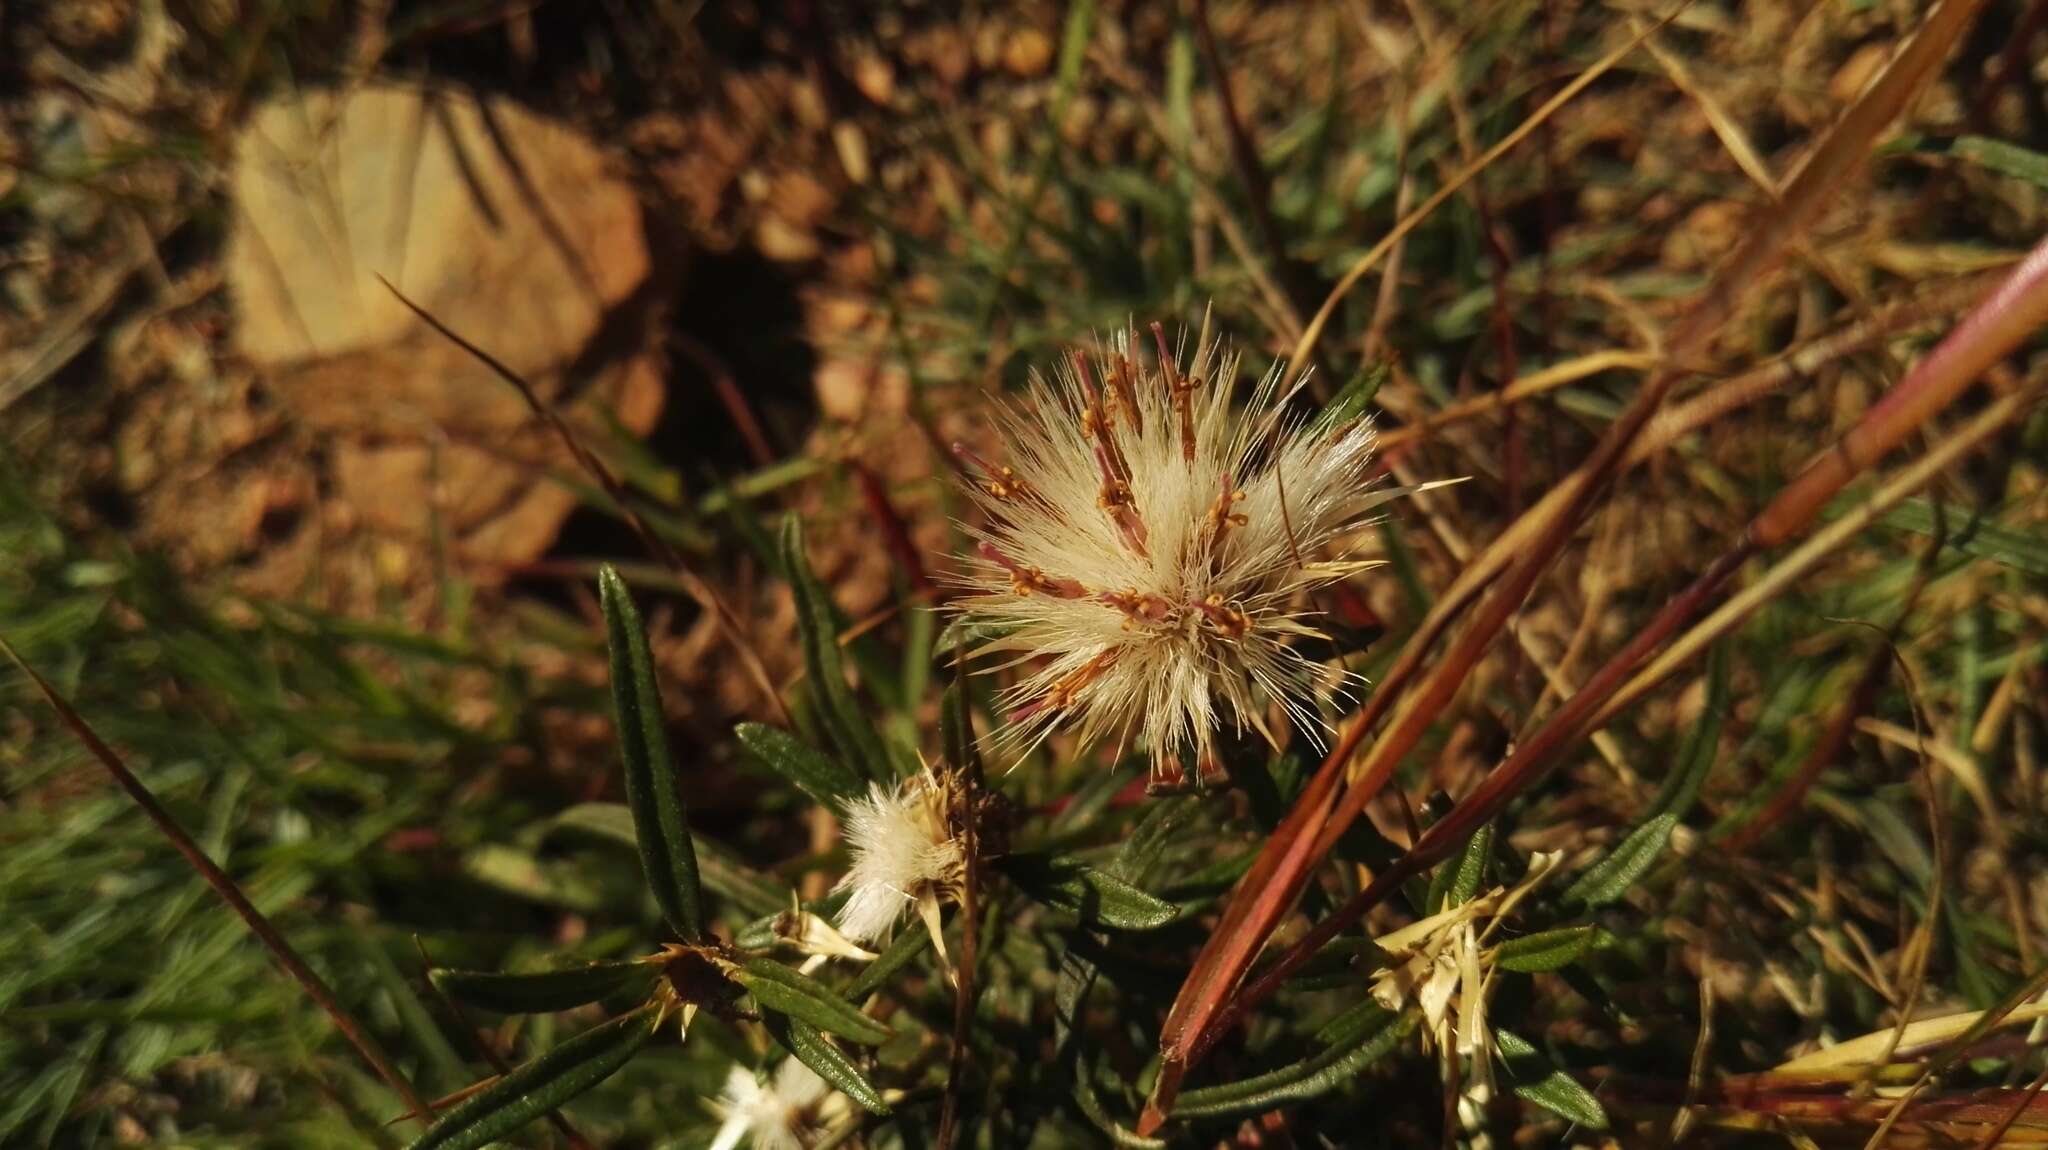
1305,346
1532,543
2026,294
1222,962
692,584
1810,554
224,886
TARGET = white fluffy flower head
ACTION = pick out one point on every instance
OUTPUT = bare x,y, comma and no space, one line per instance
905,854
786,1113
1149,549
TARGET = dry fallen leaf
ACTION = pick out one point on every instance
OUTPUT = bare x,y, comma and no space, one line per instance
506,226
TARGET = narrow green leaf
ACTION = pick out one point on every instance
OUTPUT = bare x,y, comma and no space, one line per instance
2003,158
1610,878
845,721
660,828
1549,950
831,1063
720,869
779,988
539,1086
1371,1035
821,776
1696,758
1098,897
956,725
541,992
908,944
1458,879
1546,1085
1351,402
1981,538
1090,1100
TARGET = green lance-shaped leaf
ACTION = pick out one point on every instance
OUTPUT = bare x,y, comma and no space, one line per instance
1548,950
956,725
660,827
544,991
1352,1042
816,1051
1458,879
541,1085
1098,897
907,944
781,989
1537,1081
1611,877
848,725
720,870
821,776
1351,402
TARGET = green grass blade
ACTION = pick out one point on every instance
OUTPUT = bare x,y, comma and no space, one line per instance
1545,1085
907,944
1370,1034
1549,950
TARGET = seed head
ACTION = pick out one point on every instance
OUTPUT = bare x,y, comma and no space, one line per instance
1148,550
906,853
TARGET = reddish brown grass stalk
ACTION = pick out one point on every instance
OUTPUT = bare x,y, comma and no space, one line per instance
1285,865
895,535
692,583
315,987
1824,754
2011,314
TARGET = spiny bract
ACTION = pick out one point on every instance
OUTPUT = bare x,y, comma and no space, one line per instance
1147,550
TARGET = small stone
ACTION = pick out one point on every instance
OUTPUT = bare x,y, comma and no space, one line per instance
1857,71
1028,52
875,77
852,146
777,239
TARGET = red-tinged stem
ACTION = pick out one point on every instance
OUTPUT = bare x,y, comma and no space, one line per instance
895,535
315,987
731,398
2007,317
1988,334
1823,755
1191,1024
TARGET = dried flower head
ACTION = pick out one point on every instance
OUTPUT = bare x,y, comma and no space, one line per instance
906,853
1148,550
1445,966
788,1113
